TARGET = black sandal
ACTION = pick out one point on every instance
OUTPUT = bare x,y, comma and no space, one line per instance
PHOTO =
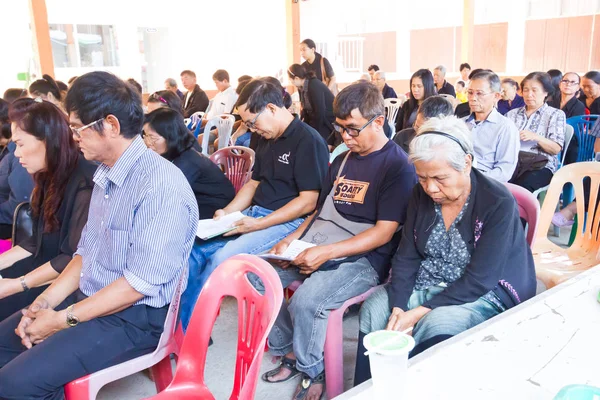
307,382
286,363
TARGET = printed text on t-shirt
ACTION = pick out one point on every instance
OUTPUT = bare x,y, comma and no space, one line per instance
350,191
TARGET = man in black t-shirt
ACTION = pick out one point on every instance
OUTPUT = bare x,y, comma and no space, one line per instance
355,230
291,162
308,50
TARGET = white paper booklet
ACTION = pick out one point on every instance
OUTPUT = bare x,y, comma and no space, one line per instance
209,228
295,248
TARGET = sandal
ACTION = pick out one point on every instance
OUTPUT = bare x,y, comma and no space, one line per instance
306,383
285,363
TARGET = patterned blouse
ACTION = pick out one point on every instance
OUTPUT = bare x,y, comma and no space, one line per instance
446,256
547,122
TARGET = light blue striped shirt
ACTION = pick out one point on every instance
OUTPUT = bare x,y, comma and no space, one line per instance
141,225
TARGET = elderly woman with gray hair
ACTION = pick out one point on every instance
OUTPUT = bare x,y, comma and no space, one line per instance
463,257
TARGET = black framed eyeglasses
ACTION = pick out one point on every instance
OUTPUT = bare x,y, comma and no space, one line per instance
353,132
252,124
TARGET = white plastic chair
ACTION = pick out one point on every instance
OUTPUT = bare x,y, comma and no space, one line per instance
224,124
392,106
195,120
87,387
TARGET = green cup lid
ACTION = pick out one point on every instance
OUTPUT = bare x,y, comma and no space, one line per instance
389,341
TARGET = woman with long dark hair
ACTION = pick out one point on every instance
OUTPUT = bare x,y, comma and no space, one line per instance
59,202
421,87
316,99
166,134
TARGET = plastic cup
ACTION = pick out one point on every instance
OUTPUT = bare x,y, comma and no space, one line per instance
388,357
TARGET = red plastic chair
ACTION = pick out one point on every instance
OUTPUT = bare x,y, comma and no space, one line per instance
256,316
88,386
334,343
529,209
236,162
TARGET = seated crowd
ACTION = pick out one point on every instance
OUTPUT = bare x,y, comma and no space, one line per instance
116,189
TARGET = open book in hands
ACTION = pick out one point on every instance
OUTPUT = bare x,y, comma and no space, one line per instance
210,228
295,248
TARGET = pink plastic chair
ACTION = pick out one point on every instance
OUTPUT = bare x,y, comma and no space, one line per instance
334,343
529,209
236,162
5,245
88,386
256,315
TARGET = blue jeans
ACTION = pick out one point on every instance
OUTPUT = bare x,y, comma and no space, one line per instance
301,326
207,255
244,140
443,321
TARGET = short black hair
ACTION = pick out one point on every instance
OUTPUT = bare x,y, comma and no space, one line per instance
287,99
97,94
511,82
221,75
373,67
543,78
463,66
169,124
5,131
476,71
188,72
12,94
435,106
555,76
309,43
257,94
62,86
136,85
167,99
361,95
244,78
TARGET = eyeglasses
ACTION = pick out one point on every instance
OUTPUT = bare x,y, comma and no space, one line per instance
252,124
569,83
353,132
77,131
472,93
149,139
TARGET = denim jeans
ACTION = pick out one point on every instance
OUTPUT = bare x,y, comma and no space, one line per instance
207,255
301,326
441,321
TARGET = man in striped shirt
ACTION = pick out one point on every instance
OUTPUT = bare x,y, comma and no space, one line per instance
110,303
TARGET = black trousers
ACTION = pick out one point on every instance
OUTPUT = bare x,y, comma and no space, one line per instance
42,371
5,231
533,180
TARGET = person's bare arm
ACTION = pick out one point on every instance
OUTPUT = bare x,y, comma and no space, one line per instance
13,255
302,205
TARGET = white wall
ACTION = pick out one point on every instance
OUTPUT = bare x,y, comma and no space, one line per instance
17,49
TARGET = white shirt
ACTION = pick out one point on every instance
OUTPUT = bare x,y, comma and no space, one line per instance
222,103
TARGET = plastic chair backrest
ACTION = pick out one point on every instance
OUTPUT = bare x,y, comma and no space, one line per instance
341,148
587,238
582,125
568,137
236,162
256,315
392,106
224,124
22,223
529,209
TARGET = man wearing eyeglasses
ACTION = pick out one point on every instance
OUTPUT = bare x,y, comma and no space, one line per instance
110,303
291,162
355,230
495,137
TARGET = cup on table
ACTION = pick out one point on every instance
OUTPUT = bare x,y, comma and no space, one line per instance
388,357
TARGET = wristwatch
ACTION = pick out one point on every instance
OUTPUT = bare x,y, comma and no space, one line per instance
72,320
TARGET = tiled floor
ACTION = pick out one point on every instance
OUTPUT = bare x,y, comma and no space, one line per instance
221,361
